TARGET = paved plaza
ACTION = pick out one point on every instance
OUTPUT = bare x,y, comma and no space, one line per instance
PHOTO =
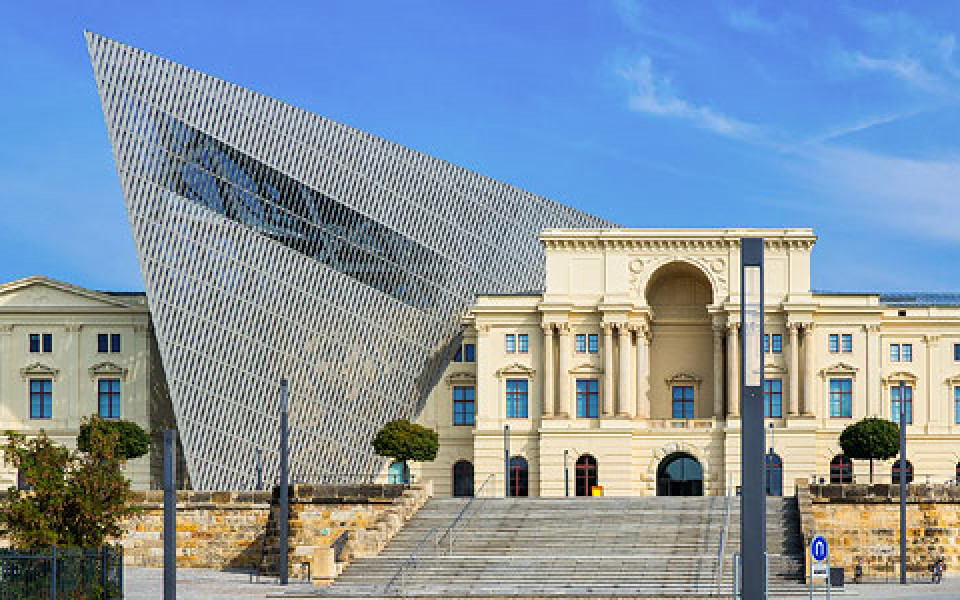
202,584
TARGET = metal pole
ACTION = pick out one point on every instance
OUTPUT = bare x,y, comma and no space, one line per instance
259,469
903,484
506,460
753,437
284,485
169,515
566,475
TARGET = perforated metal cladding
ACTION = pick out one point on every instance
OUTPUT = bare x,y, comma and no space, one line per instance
276,243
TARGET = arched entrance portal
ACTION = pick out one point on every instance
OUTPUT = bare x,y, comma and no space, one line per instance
680,475
586,471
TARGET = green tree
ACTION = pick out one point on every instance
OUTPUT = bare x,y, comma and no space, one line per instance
871,439
132,440
403,441
77,498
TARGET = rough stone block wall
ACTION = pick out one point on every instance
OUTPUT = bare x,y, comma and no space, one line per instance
863,521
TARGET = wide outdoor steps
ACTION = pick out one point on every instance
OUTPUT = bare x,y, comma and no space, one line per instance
572,546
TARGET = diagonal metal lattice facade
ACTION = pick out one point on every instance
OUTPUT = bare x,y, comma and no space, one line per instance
276,243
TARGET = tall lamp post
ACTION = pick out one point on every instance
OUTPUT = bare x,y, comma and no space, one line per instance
753,454
903,483
566,475
506,460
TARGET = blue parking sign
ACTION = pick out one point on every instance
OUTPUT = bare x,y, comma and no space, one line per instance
819,548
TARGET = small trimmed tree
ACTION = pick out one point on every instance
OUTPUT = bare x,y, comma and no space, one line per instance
403,441
132,441
871,439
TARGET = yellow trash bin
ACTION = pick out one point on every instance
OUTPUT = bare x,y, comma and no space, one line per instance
596,490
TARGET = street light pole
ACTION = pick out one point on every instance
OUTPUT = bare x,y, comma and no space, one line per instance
506,460
903,484
566,475
753,437
284,484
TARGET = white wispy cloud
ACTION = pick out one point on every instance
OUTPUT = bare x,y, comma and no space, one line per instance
748,20
655,96
909,70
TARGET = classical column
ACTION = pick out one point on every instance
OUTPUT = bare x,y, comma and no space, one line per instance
933,385
607,398
564,368
643,368
623,398
793,400
810,370
718,371
733,370
549,397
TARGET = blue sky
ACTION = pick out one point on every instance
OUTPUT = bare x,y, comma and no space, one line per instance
843,117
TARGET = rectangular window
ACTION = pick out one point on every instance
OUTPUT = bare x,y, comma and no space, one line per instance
766,342
846,341
41,399
48,342
593,343
34,342
469,353
841,398
580,343
683,402
777,343
463,405
772,398
894,352
907,404
516,398
834,343
511,343
108,394
114,342
956,352
103,343
523,343
458,357
588,399
956,405
907,353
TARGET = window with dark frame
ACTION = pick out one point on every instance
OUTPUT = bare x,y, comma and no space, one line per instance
841,469
774,475
469,353
834,343
895,472
906,352
777,343
464,405
593,343
956,404
766,343
511,343
41,399
523,343
108,396
894,352
895,404
519,476
33,342
956,352
772,398
580,343
841,397
846,343
683,402
588,399
516,398
103,343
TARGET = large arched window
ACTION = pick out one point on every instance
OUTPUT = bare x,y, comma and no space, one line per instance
774,475
680,475
895,472
586,474
518,476
841,469
398,473
463,478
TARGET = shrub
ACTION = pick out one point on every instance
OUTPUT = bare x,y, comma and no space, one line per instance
132,441
871,439
403,441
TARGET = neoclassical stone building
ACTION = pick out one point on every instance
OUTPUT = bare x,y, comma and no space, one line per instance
623,372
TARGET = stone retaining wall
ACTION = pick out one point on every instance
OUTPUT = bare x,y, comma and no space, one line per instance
238,530
863,521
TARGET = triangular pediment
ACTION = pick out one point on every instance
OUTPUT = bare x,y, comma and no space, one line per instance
42,292
586,369
516,369
839,369
897,376
39,370
107,369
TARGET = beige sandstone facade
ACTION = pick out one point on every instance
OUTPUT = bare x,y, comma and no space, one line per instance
52,369
663,306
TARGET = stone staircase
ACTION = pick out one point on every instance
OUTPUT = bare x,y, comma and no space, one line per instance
648,546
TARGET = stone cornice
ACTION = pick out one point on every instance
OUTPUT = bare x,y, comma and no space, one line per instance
38,370
516,369
894,379
461,377
840,368
704,240
107,369
683,378
586,369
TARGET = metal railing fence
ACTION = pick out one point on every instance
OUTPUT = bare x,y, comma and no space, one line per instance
51,573
450,533
724,535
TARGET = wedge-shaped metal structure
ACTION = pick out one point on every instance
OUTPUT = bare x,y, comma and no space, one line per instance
275,243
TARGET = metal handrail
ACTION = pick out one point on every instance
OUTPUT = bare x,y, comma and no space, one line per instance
724,535
449,533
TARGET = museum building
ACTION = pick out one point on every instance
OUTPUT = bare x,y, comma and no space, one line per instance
621,376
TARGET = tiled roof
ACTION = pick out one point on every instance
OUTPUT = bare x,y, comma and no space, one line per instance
904,298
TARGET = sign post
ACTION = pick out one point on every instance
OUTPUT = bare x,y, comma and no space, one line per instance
903,483
753,512
819,562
